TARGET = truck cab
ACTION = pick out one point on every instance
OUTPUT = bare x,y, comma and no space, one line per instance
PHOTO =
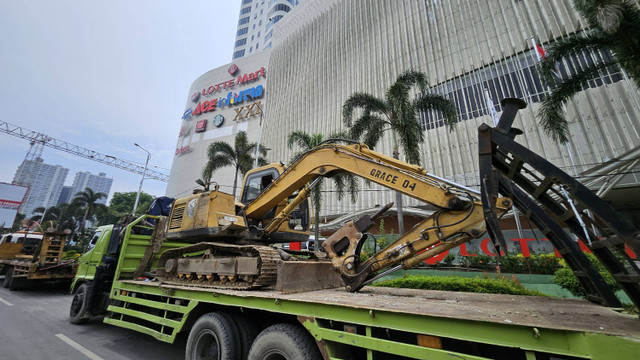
24,243
93,256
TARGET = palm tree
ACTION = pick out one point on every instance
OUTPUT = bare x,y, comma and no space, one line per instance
307,142
89,200
240,156
42,214
398,112
614,26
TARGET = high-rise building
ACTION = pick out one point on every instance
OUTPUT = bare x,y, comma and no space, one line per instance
97,183
255,24
45,183
65,195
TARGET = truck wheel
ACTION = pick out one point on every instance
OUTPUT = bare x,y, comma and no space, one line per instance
8,274
213,336
12,283
284,341
247,332
78,313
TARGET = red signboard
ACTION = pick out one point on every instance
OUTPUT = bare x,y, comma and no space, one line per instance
201,126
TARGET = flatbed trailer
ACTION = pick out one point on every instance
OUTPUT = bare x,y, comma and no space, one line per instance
375,323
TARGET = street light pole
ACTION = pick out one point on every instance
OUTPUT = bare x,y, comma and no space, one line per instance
255,160
135,205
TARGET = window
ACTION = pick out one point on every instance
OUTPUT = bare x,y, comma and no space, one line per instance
256,183
93,241
243,21
515,76
257,46
239,53
242,31
279,7
268,36
245,10
245,2
258,33
241,42
273,20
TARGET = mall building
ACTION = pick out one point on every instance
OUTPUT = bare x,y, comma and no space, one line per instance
323,51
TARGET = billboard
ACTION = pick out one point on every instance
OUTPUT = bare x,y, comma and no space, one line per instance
11,197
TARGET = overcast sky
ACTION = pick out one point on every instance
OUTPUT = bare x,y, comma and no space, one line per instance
105,75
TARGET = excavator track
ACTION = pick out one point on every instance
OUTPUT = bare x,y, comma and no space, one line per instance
219,266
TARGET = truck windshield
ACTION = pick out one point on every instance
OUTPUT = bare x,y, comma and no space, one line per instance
93,241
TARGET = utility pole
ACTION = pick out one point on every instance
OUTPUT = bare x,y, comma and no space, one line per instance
135,205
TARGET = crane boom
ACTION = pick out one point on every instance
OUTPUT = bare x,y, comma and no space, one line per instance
34,136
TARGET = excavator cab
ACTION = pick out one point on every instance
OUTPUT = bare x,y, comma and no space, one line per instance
296,226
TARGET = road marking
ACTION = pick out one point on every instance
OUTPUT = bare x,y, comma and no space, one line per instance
79,347
5,302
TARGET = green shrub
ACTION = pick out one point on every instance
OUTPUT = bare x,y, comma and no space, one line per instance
511,264
70,254
449,283
481,261
448,260
544,263
565,278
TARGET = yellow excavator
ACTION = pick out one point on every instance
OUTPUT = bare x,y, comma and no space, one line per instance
273,208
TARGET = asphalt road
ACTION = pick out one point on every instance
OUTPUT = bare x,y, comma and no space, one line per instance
34,325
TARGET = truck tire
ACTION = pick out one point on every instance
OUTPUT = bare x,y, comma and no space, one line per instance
247,332
12,283
78,313
213,336
284,341
8,274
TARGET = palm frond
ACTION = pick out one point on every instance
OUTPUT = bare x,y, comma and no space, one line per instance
368,127
346,182
435,102
401,87
365,101
300,138
551,113
374,132
566,47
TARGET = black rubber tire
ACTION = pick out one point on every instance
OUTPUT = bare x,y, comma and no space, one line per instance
78,312
8,274
247,332
12,283
284,341
213,336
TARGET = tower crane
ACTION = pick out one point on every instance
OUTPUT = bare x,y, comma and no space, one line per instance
38,139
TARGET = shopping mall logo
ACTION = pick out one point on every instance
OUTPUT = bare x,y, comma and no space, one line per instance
230,99
240,80
187,114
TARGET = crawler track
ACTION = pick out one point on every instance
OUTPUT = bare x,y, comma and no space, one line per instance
267,264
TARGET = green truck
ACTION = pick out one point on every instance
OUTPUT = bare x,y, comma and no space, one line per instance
375,323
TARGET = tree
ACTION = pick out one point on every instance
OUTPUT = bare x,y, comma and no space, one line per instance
397,112
307,142
89,201
614,26
121,205
17,224
56,214
240,156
